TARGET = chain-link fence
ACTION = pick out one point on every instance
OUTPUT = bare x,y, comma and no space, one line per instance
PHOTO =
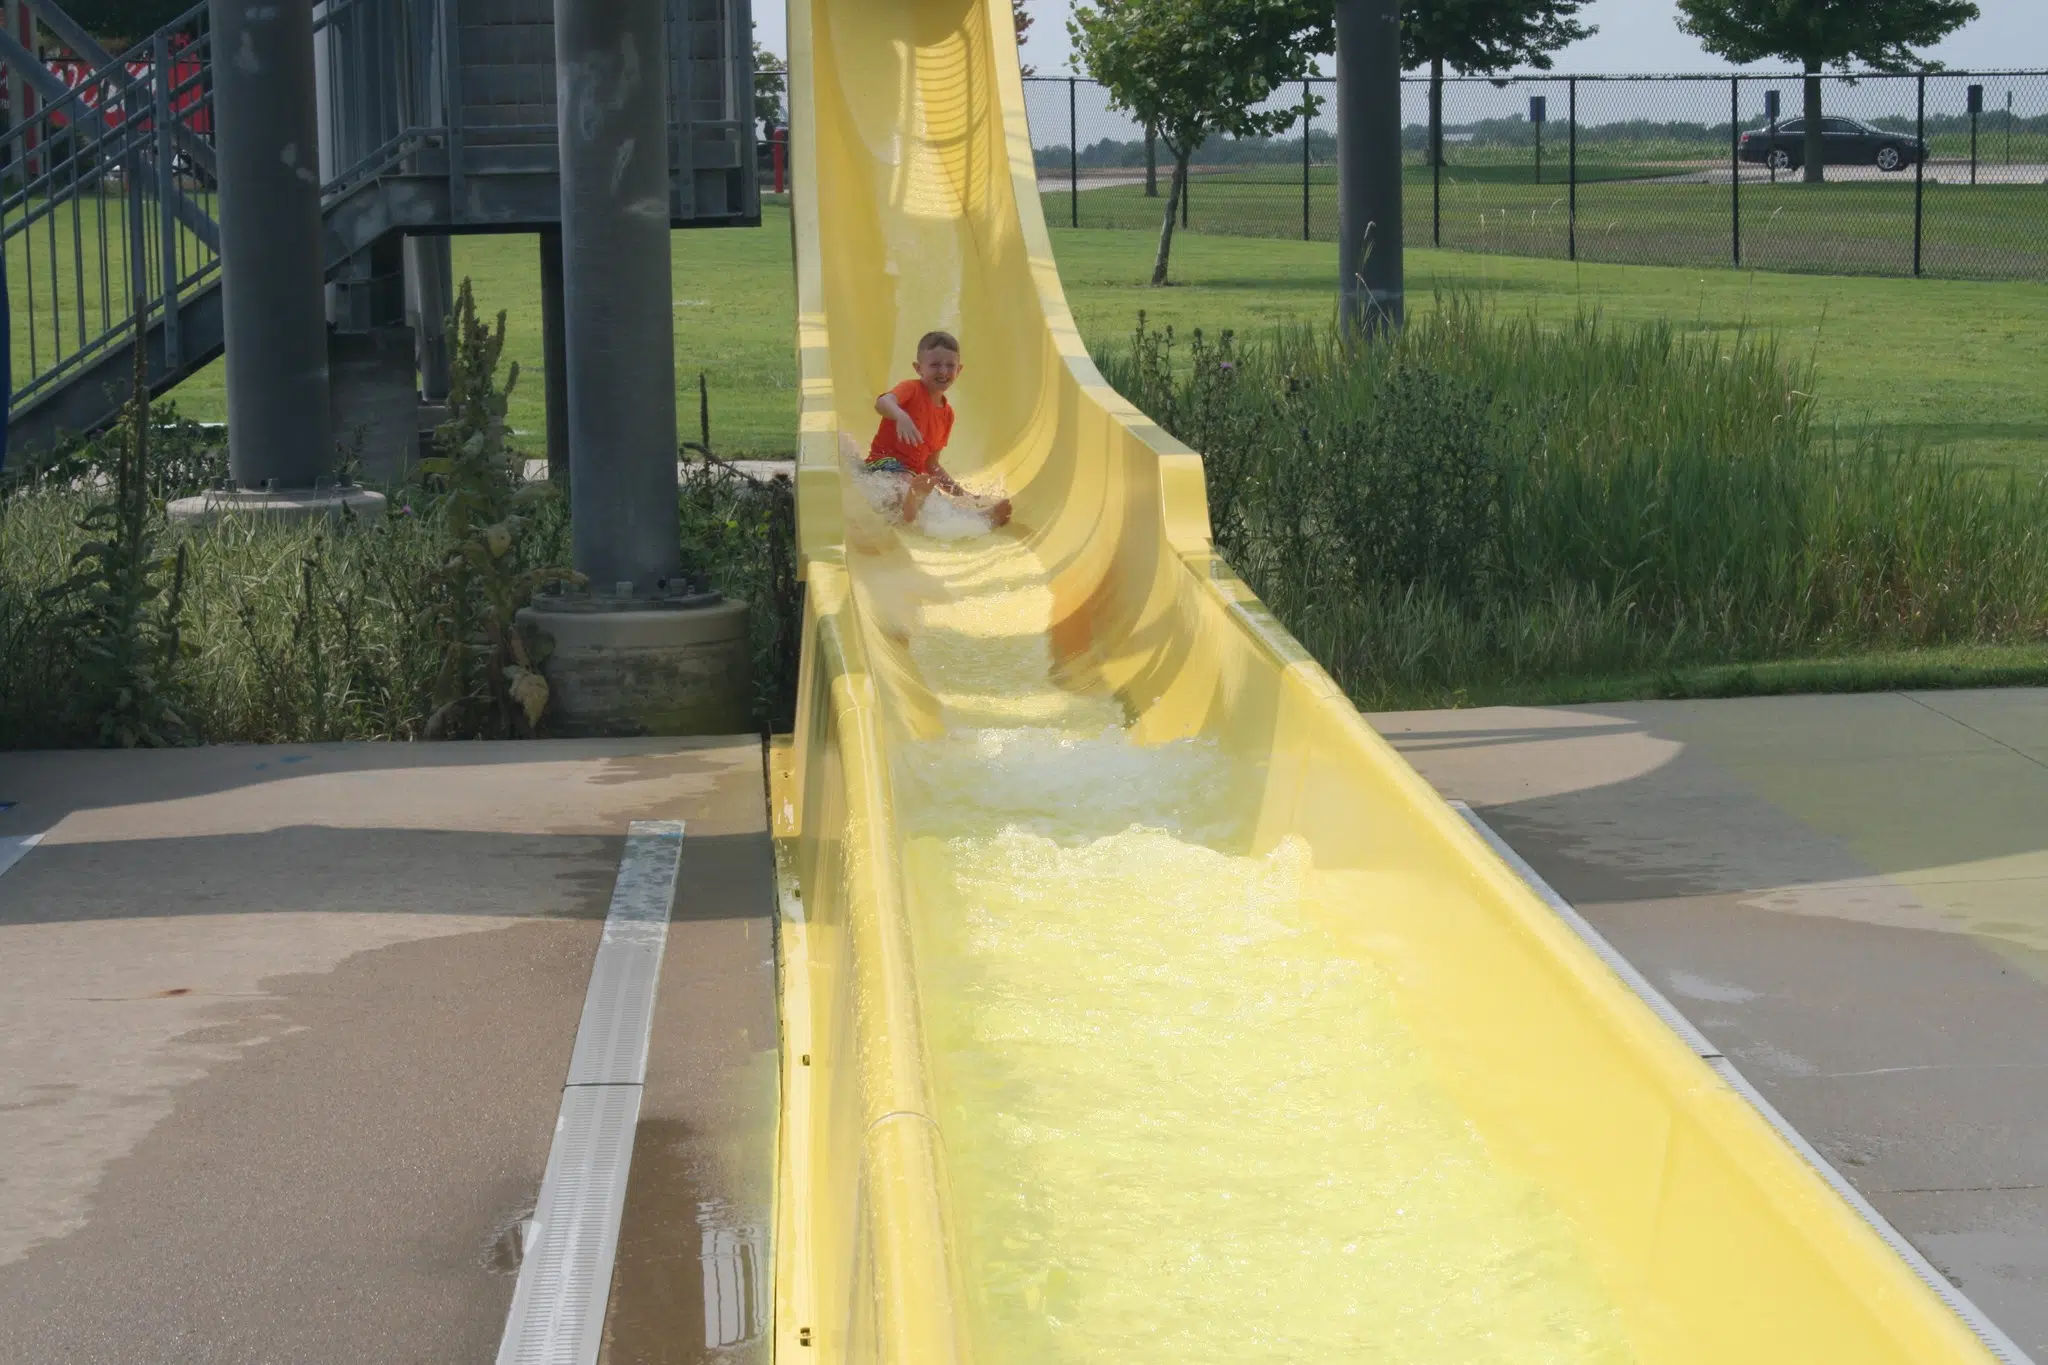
1944,173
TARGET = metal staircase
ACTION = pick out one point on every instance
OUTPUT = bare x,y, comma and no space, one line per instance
437,117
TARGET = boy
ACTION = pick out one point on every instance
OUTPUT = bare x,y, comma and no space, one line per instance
916,423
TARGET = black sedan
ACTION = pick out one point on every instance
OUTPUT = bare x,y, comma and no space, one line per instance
1846,143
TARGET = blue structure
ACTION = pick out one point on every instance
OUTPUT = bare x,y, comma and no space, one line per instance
434,117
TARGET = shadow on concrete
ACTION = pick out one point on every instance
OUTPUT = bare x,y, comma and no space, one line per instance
339,1190
306,869
47,785
1901,1026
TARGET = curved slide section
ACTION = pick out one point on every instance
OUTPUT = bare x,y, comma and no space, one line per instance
1140,1002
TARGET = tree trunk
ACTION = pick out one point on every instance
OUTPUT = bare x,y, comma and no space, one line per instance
1151,163
1436,112
1174,191
1816,149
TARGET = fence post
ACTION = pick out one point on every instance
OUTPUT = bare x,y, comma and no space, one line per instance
1919,162
166,198
1436,165
1571,171
1735,168
1304,157
1073,158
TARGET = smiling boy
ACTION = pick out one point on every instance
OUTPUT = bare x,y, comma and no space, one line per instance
917,421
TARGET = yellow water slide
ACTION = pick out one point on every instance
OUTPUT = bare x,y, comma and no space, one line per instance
1141,1004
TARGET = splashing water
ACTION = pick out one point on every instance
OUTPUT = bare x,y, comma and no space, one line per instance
1183,1122
941,517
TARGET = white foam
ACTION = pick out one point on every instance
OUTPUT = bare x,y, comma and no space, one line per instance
943,517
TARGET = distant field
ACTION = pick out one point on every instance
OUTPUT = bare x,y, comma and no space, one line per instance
1951,362
1863,227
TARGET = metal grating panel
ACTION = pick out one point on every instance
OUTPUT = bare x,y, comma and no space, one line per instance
1997,1342
618,1010
558,1307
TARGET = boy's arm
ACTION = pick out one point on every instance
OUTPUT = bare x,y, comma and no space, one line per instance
906,430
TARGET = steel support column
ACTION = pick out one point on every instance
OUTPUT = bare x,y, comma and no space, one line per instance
1369,163
430,291
554,358
618,323
272,293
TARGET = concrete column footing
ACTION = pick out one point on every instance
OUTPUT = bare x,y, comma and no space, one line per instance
285,504
679,667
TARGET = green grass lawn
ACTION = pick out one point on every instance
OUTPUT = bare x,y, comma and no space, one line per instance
1860,227
70,276
1950,362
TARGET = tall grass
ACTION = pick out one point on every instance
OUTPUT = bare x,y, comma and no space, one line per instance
273,632
1484,502
319,632
289,632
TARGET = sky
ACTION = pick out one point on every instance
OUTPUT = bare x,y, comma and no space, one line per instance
1634,36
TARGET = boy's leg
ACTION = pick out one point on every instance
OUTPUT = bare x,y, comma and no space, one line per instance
914,496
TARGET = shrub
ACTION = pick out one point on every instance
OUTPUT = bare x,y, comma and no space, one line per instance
739,537
1482,501
262,632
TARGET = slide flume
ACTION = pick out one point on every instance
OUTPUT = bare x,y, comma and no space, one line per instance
1140,1003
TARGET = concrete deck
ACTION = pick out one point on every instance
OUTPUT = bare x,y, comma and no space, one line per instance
284,1033
284,1030
1849,896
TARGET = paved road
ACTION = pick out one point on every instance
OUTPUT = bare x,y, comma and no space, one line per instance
1849,896
1938,172
284,1032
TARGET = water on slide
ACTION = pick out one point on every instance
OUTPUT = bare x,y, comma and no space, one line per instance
1183,1119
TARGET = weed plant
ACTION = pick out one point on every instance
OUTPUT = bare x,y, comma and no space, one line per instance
1483,502
739,537
116,630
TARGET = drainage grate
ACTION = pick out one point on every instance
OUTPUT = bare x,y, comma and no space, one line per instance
558,1307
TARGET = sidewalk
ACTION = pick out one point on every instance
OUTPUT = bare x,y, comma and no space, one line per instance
285,1029
1849,896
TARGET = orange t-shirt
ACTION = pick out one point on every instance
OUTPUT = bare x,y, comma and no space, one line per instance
934,417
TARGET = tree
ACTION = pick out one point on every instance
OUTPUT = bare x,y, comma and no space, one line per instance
1881,34
770,79
1021,17
1190,69
1482,37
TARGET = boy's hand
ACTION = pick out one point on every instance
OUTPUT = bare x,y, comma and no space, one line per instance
907,432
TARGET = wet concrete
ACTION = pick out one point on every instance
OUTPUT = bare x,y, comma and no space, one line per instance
693,1277
1849,896
284,1033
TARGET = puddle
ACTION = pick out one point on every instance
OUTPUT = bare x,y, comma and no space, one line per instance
736,1291
506,1248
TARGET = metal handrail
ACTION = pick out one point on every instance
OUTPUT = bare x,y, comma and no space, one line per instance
100,228
105,191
